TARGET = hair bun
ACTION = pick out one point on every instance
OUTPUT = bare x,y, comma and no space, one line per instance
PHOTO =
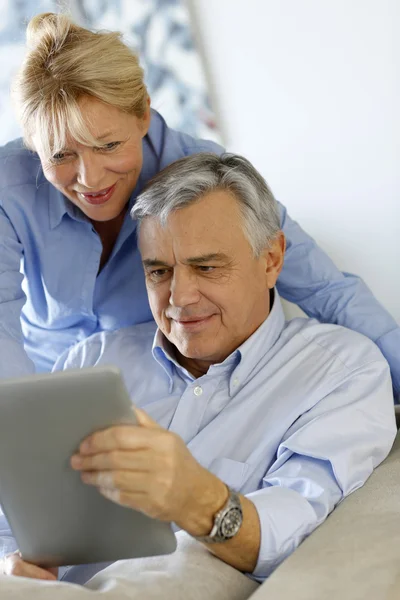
49,28
39,26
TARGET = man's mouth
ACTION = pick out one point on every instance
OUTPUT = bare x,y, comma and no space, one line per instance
192,319
193,323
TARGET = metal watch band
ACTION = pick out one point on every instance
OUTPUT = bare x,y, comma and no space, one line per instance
227,521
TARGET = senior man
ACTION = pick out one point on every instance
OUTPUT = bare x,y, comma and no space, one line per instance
252,429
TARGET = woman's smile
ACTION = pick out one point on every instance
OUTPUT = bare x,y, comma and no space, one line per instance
100,197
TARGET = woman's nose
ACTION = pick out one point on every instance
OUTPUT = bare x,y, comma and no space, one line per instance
89,173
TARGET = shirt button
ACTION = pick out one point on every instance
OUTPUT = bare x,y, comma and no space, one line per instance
198,391
236,381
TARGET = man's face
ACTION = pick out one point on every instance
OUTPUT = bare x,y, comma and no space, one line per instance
207,291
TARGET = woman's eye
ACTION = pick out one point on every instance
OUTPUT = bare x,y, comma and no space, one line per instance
110,146
59,156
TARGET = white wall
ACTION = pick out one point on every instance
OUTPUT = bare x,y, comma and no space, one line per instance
309,90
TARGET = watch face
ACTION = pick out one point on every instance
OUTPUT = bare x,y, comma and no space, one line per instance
231,523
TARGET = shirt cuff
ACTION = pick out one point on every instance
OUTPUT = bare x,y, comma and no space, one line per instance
7,540
286,518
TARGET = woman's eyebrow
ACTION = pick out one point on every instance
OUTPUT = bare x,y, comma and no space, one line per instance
105,135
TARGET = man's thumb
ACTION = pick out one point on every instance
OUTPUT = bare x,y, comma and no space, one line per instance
144,420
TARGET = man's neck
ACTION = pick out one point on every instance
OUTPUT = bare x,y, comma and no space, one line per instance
197,368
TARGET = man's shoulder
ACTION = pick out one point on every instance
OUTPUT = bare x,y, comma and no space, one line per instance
18,165
344,346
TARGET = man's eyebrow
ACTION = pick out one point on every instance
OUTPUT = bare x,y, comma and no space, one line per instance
204,258
154,262
193,260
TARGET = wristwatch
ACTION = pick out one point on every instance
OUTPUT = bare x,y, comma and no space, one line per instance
227,521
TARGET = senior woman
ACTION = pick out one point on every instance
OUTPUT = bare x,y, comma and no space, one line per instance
69,263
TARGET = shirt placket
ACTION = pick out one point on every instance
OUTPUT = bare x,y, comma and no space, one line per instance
192,405
92,268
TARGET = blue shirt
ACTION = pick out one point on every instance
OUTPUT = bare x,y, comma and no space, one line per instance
296,418
52,296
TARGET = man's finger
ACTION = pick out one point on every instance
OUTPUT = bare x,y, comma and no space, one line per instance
120,437
135,500
137,460
118,480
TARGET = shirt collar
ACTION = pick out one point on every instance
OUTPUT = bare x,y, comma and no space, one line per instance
163,353
59,206
241,362
258,344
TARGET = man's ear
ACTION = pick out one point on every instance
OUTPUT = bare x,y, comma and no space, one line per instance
274,258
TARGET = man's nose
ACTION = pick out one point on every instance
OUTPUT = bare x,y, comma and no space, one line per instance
89,173
184,289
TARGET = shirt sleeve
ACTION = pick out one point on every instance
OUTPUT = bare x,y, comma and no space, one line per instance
311,280
14,360
328,453
170,145
8,543
84,354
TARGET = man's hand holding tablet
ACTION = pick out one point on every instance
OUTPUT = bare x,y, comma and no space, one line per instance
55,519
150,469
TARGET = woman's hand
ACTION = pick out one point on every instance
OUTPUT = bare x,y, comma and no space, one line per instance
13,564
150,469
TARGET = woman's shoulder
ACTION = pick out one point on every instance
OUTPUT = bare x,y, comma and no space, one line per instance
171,144
18,165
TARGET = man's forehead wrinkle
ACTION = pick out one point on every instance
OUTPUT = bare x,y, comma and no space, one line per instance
179,244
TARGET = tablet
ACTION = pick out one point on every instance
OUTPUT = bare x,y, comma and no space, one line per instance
55,518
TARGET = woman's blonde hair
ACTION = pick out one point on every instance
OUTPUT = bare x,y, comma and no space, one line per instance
65,63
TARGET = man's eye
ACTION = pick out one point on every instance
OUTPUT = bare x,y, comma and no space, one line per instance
206,268
158,273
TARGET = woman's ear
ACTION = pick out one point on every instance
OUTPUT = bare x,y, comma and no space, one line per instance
274,258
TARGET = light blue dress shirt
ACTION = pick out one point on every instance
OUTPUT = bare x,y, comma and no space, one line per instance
59,298
296,418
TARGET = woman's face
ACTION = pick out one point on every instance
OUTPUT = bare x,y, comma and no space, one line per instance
100,180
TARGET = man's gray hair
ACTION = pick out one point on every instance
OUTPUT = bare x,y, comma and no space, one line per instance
188,179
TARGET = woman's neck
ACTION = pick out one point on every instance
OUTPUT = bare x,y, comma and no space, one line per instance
108,232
